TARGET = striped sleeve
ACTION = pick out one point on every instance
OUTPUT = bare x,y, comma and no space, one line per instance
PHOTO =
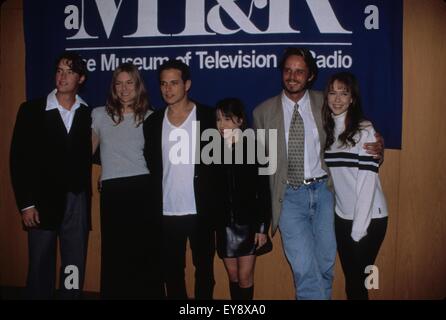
365,186
347,159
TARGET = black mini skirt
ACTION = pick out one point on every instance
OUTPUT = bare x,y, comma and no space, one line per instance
236,240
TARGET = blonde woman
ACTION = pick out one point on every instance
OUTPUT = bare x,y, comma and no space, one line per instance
129,228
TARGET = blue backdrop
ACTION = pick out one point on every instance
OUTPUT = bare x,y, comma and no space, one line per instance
233,46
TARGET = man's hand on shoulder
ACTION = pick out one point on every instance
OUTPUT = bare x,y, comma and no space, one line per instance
376,148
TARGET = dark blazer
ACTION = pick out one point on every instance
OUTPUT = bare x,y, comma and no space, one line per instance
244,194
204,176
46,162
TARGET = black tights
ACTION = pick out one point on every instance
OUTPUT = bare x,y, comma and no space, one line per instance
356,256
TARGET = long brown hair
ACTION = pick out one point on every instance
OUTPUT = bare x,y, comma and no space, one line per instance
114,107
354,115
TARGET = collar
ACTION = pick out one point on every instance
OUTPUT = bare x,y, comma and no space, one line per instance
339,120
303,102
339,117
52,103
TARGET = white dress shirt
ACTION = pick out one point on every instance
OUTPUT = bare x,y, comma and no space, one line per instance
312,159
66,115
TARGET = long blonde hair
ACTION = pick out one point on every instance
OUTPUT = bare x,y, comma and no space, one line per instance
114,107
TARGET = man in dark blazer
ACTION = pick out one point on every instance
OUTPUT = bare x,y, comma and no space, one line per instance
183,185
51,177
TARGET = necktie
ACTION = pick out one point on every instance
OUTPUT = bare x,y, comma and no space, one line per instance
296,147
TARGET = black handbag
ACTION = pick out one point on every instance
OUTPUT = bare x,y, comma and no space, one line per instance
267,247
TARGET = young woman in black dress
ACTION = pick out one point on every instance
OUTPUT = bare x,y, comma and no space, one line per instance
246,207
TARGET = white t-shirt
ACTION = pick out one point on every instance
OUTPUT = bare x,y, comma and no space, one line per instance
178,147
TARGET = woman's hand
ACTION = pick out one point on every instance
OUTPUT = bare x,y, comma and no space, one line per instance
260,240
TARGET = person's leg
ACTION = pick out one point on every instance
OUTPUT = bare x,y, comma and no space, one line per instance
346,252
246,265
150,237
298,243
153,256
355,288
202,243
366,251
324,233
73,236
41,278
141,240
232,270
175,230
376,233
113,274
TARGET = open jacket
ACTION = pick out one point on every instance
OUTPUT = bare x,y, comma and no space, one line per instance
46,162
204,175
244,194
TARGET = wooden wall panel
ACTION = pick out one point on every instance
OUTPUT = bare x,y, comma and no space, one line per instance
13,247
412,260
389,175
421,254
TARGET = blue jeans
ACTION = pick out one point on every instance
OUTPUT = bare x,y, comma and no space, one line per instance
307,229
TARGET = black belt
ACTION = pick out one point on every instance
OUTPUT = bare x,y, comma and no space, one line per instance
310,181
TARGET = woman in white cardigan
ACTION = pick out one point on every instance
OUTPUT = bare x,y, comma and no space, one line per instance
361,211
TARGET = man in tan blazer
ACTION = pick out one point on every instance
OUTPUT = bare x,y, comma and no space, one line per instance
304,211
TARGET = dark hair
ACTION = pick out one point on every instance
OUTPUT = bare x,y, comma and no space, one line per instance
75,61
178,65
114,107
308,58
354,115
233,107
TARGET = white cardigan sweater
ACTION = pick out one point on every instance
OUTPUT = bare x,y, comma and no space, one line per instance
359,196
